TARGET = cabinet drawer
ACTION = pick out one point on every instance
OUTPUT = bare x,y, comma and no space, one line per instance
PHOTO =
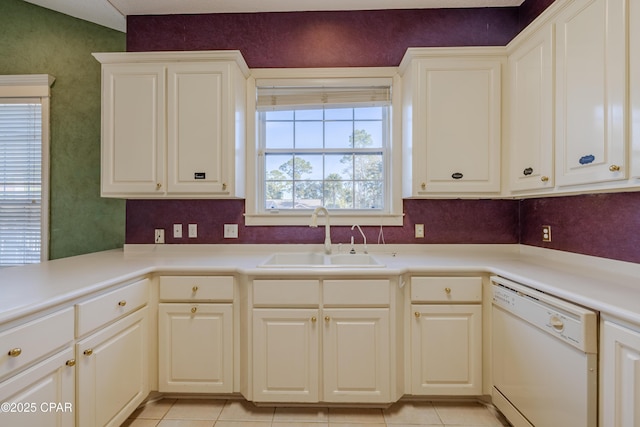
286,293
196,288
354,293
103,309
34,339
446,289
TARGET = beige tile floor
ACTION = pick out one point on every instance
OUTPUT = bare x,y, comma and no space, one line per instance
240,413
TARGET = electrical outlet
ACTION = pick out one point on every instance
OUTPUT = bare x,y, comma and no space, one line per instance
193,231
546,233
231,231
419,231
159,235
177,231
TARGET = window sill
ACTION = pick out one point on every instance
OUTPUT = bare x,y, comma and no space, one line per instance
299,218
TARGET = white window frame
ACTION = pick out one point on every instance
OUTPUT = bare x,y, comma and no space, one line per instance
35,86
327,77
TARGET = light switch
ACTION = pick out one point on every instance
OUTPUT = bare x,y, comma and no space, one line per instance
177,231
193,231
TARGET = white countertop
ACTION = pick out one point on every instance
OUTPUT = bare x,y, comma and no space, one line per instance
611,287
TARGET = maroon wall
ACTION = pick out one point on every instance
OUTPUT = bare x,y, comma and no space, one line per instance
446,221
324,39
605,225
582,224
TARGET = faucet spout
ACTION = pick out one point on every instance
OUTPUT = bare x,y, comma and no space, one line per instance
327,227
363,237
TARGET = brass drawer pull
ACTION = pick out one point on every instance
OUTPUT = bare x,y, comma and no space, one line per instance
313,319
614,168
417,314
195,289
194,309
88,352
327,318
447,290
71,362
544,178
15,352
122,303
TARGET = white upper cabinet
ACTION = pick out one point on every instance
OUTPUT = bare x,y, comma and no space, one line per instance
530,113
451,121
173,124
591,90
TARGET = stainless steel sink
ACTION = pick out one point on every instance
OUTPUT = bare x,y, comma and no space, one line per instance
316,260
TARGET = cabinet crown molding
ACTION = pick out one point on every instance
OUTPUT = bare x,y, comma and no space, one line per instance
174,56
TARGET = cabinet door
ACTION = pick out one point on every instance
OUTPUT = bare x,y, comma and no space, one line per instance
43,395
531,113
461,124
591,78
356,350
285,355
133,135
620,376
198,130
112,371
446,349
196,348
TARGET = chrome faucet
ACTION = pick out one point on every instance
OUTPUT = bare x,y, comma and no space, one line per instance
327,227
363,236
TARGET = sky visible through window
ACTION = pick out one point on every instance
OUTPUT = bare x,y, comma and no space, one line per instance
332,157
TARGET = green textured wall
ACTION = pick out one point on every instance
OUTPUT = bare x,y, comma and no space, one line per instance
34,40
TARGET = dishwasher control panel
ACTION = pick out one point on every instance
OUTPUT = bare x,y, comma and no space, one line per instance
571,323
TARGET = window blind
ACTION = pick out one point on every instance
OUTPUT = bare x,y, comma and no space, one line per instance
283,98
20,182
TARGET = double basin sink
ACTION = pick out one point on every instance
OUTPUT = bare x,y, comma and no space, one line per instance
319,260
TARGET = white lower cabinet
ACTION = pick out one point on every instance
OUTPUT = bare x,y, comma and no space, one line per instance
112,374
285,355
43,395
356,355
446,336
195,348
337,351
620,375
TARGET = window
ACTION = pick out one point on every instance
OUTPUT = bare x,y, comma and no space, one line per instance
23,167
324,143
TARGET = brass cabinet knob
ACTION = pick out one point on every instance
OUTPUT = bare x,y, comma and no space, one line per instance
88,352
614,168
544,178
447,290
15,352
122,303
224,185
313,319
423,185
158,186
194,309
327,318
417,314
71,362
195,289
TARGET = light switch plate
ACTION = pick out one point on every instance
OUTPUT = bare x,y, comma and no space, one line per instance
159,235
419,231
193,231
231,231
177,231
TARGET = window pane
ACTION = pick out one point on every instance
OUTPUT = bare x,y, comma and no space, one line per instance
338,114
309,134
368,167
279,166
338,194
368,195
368,134
308,194
309,114
338,134
279,115
371,113
279,134
279,195
308,166
338,166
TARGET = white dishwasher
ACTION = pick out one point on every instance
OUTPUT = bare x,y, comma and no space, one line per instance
545,361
